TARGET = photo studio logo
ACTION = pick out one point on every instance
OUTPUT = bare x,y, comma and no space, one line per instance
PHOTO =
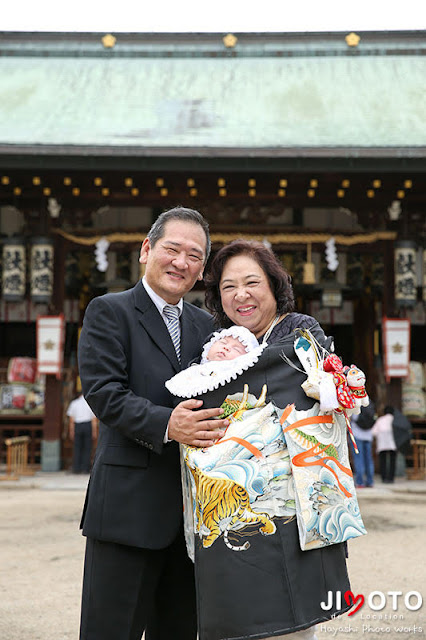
376,601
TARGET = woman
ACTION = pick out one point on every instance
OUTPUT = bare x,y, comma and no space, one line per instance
246,285
382,431
272,589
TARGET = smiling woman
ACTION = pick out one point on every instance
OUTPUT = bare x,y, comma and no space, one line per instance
246,295
247,285
278,585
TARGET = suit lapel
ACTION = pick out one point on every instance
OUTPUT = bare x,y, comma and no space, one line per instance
151,320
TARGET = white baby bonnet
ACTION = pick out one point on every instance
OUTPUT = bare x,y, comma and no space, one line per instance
200,378
241,333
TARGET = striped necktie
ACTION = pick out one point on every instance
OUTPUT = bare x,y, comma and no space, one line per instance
172,315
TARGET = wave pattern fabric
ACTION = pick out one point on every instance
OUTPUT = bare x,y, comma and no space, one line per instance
326,504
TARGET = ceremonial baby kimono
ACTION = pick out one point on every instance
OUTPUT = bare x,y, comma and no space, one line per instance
268,507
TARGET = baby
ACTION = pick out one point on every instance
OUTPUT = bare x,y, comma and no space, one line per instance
228,344
225,355
226,348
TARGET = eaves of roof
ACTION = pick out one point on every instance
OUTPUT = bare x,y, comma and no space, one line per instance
201,45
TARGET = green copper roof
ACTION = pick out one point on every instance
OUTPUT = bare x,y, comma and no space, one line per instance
240,102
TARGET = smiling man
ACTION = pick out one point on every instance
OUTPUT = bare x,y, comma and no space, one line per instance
137,574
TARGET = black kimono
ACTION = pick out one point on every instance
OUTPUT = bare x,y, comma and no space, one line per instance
270,587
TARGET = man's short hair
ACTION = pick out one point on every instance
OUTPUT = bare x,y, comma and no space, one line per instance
179,213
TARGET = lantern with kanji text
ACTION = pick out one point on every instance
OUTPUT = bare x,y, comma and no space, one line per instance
41,269
14,269
405,273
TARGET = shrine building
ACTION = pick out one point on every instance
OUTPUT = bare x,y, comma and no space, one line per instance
314,143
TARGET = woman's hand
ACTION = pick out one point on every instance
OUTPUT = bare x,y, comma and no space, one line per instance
196,428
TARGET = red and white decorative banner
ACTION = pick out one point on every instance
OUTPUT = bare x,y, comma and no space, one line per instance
396,347
50,344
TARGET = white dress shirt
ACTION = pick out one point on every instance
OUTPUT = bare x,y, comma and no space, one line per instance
80,411
159,302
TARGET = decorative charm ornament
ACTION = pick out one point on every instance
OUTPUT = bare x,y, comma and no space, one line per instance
230,40
109,41
352,39
340,390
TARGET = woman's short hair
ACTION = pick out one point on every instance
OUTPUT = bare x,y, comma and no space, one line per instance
279,279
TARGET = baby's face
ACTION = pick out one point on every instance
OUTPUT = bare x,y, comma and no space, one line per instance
226,348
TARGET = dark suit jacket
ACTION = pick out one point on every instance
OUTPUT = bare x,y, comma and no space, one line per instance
125,356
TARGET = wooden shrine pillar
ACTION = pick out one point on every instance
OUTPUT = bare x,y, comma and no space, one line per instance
394,387
52,426
363,332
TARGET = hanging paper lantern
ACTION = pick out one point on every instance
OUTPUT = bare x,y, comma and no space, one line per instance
14,269
41,269
405,273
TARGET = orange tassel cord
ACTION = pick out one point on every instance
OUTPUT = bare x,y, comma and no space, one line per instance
301,459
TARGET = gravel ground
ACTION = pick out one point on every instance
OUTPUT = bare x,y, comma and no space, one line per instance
41,564
391,557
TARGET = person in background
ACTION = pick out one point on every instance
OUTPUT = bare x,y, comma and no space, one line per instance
83,430
385,445
362,429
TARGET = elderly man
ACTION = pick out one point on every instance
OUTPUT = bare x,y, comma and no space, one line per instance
137,574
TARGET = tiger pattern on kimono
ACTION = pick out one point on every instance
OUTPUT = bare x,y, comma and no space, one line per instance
221,503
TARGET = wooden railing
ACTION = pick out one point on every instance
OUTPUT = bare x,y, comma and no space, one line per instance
418,471
17,458
12,426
